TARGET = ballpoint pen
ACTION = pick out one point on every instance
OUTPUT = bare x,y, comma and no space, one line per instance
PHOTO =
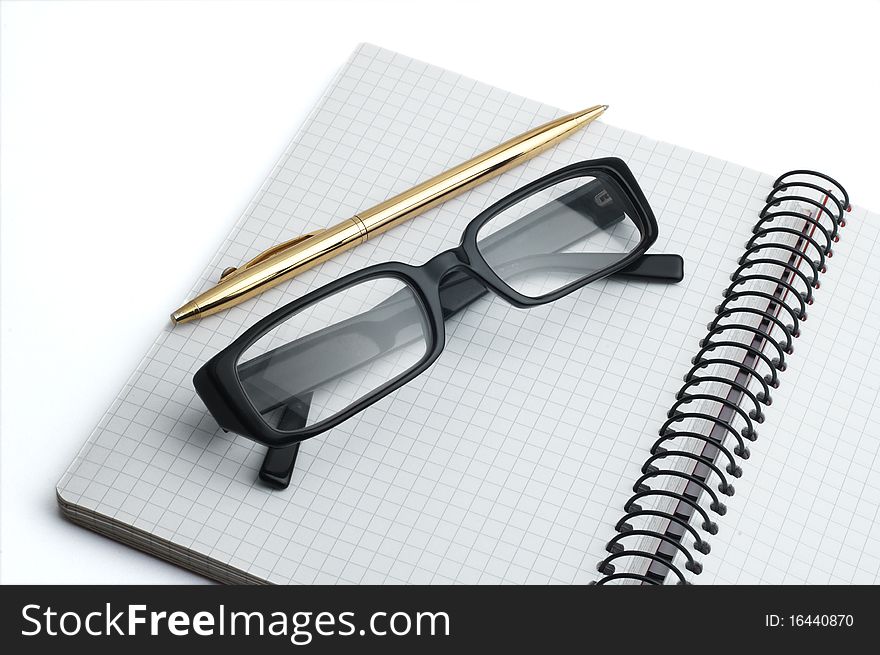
285,260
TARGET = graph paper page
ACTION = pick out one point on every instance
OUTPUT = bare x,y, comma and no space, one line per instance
511,458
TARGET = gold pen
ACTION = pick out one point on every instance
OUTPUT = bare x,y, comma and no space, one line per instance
285,260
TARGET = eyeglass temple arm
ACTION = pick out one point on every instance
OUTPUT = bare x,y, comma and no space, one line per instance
278,463
658,267
459,290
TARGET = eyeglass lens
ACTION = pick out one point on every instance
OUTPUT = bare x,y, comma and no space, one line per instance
559,235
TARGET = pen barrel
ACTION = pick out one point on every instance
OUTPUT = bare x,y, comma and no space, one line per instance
469,174
257,278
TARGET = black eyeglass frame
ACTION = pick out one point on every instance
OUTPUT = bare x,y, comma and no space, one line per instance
218,383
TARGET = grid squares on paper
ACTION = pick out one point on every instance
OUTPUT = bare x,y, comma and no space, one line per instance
509,460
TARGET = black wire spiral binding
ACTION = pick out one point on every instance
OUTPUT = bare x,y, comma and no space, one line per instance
737,413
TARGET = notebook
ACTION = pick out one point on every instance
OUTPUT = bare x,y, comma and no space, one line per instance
513,458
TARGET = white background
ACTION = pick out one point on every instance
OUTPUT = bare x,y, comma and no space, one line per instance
133,136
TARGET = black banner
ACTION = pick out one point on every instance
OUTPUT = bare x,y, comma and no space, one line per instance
433,619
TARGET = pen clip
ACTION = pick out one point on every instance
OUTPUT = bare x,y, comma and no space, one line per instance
263,256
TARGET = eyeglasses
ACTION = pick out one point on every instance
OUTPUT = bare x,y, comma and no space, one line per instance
323,358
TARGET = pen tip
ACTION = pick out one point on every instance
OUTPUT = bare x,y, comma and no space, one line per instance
589,114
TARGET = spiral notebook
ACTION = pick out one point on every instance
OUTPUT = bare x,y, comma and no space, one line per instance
530,452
